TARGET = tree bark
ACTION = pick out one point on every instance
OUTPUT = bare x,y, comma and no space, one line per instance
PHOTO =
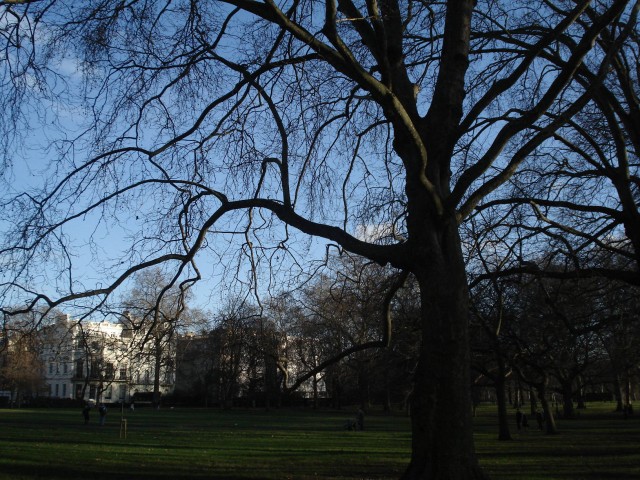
567,399
550,423
441,407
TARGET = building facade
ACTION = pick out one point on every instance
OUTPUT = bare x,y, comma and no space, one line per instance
104,361
124,362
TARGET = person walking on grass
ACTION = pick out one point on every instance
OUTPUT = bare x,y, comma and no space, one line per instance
360,419
540,419
86,410
102,410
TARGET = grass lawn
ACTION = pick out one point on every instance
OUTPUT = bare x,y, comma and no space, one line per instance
293,444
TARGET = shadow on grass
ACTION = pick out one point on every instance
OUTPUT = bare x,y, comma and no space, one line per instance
69,473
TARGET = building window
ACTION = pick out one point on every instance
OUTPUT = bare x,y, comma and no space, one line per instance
51,368
109,371
64,390
80,368
95,369
108,393
57,390
123,373
65,369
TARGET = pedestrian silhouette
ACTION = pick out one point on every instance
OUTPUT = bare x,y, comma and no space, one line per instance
102,410
86,410
539,419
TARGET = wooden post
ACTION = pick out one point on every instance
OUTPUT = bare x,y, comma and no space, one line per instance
123,428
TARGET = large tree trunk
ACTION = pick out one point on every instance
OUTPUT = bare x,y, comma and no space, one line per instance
441,407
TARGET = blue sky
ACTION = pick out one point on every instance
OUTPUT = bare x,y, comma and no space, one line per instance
95,238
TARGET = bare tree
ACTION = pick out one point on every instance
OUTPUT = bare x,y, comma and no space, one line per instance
618,337
339,312
235,354
21,368
257,121
154,315
583,194
489,356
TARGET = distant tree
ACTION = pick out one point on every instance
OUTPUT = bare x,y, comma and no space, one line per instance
490,355
196,360
490,297
619,338
234,360
154,312
553,335
338,317
306,344
533,356
22,371
21,366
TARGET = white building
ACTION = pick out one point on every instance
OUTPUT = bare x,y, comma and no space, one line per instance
103,361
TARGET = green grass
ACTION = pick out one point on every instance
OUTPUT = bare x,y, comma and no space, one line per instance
295,444
597,445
